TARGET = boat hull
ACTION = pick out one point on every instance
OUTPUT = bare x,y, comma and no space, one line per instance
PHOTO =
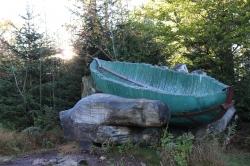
185,109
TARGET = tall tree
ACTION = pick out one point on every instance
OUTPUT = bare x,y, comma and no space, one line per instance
29,50
211,35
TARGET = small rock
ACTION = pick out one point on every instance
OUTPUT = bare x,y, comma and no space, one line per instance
199,72
39,162
102,158
52,161
181,68
66,161
5,158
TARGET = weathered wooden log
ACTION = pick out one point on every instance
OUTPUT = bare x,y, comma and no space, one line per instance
102,117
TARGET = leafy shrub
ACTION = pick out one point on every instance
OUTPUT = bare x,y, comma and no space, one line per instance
175,151
107,146
126,147
47,119
183,150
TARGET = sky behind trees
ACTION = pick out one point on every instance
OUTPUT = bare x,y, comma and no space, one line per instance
52,16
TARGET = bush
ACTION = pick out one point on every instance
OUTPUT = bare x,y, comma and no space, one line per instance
175,151
48,119
183,150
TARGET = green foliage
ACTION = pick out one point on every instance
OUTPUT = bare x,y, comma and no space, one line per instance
27,89
209,35
237,159
46,119
138,43
126,147
176,151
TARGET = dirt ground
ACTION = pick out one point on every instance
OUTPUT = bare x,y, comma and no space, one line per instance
57,159
47,158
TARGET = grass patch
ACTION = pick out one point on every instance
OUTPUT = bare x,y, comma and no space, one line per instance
138,154
206,154
148,155
13,143
69,148
237,159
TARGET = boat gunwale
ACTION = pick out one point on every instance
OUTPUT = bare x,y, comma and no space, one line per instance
159,90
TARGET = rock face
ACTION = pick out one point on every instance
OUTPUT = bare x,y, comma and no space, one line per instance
102,117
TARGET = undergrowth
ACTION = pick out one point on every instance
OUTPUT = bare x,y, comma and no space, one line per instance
13,143
174,150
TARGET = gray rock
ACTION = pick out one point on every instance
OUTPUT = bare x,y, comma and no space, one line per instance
39,162
67,161
199,72
216,127
181,68
102,117
88,134
221,124
106,109
121,135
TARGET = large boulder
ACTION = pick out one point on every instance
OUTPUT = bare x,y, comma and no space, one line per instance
100,117
106,109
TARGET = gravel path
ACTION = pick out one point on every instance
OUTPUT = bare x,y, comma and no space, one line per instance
55,159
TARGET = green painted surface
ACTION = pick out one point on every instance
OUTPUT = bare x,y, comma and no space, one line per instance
182,92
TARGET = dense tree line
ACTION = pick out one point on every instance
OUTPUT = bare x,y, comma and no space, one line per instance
208,35
35,84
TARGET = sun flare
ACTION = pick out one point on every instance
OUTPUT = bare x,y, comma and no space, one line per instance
66,54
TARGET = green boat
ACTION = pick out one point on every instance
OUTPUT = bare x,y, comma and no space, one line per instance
192,99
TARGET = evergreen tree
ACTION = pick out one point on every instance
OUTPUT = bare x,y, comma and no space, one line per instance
27,53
